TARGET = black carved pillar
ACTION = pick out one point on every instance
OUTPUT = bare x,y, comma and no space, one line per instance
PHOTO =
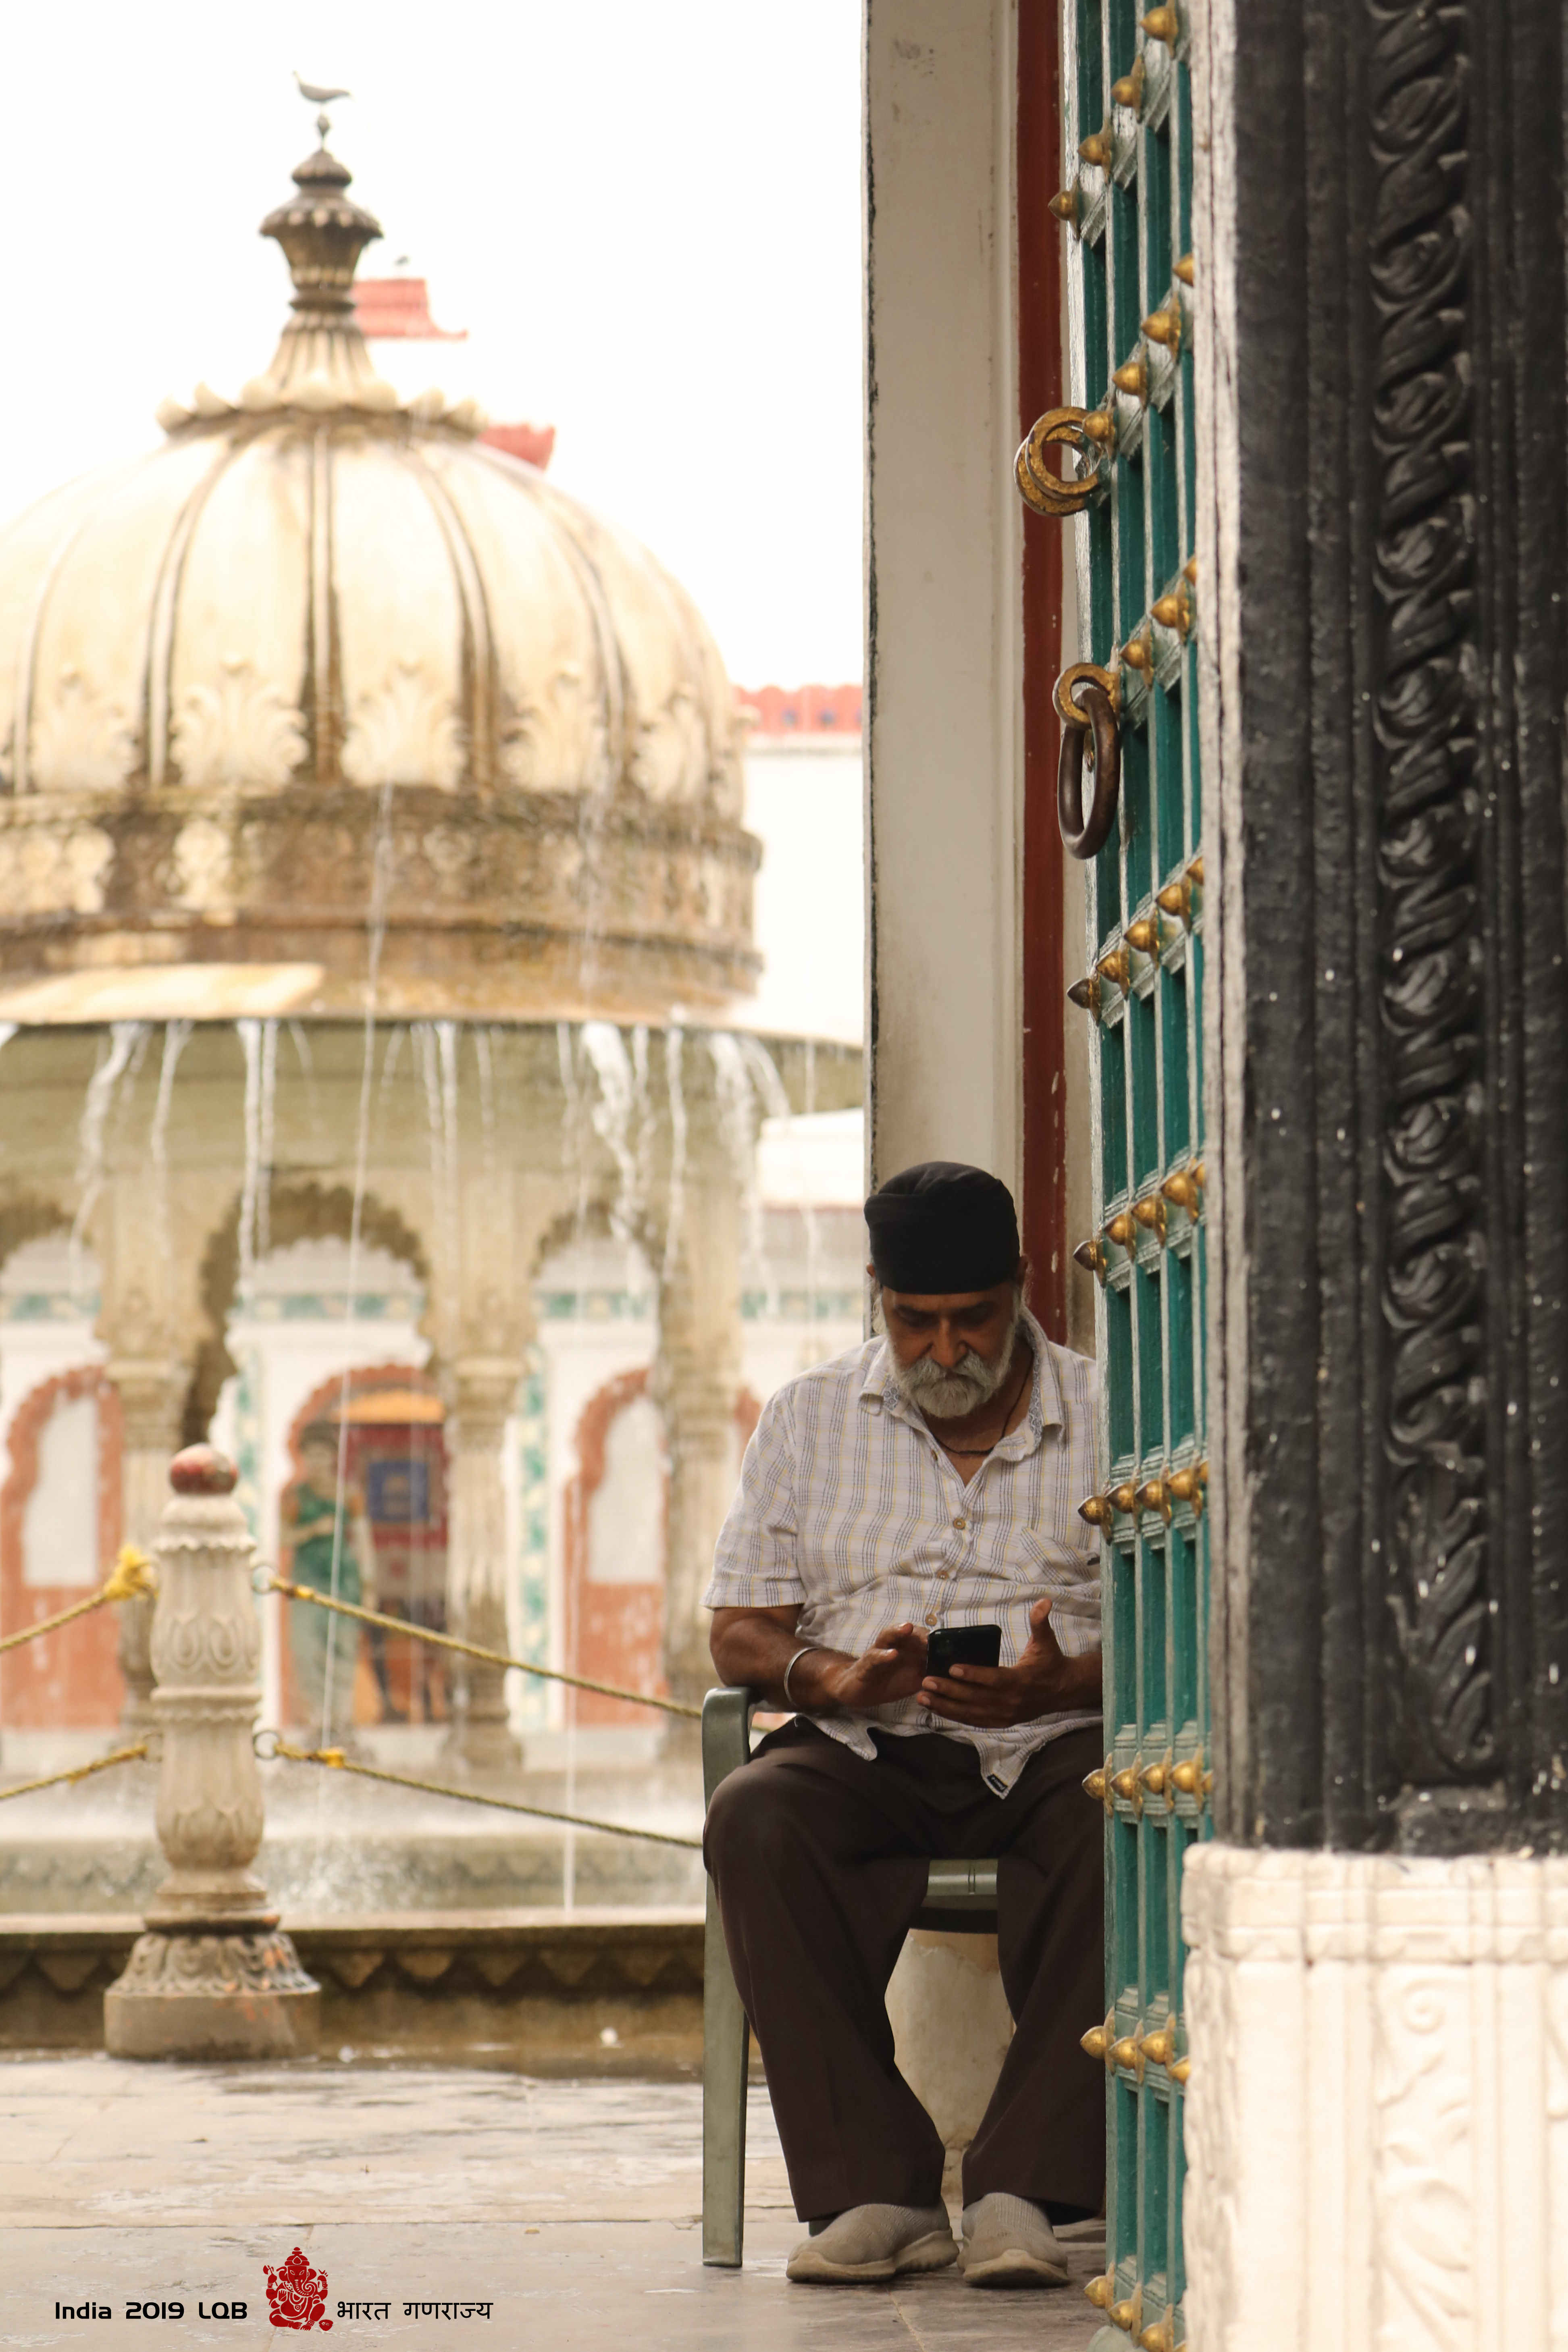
1378,1988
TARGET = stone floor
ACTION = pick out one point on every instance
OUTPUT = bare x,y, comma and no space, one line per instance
571,2208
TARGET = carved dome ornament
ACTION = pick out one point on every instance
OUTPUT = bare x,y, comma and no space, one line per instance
324,652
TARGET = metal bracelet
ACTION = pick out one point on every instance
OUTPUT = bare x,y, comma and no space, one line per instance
791,1667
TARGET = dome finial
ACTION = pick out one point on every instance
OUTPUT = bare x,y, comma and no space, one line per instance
322,365
322,233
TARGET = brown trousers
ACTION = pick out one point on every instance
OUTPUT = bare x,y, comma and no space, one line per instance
819,1857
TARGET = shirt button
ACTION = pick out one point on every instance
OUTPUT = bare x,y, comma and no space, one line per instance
933,1617
961,1523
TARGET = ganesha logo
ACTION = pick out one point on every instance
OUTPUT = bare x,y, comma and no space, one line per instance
297,2293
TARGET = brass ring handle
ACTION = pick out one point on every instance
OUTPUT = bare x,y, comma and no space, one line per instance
1071,678
1084,837
1050,493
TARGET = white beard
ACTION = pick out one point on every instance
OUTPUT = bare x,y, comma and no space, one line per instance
972,1382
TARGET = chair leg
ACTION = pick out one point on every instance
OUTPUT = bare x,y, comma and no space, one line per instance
726,2044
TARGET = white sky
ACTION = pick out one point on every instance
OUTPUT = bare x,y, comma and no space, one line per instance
649,217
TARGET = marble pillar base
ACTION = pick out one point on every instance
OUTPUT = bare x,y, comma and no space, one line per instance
1377,2115
480,1743
477,1751
213,1996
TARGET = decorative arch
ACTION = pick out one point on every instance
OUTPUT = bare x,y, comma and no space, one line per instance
364,1379
590,1221
409,1677
70,1680
28,1217
613,1631
296,1213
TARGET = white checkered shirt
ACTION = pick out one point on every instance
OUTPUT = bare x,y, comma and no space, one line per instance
848,1507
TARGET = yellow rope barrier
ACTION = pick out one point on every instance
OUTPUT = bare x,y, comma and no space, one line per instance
82,1771
128,1579
338,1762
473,1650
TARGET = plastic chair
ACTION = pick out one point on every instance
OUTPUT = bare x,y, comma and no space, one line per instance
960,1897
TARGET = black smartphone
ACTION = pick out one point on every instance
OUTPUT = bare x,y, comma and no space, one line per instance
962,1645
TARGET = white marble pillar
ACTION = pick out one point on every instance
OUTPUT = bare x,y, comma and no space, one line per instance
697,1380
1377,2111
482,1393
213,1977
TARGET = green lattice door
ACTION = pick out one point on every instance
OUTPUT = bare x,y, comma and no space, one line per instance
1127,220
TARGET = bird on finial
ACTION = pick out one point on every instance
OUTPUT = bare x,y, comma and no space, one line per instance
317,94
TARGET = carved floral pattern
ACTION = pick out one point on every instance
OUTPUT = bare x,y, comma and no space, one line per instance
1211,2130
1429,823
662,894
243,730
670,762
196,1644
1425,2225
81,739
557,740
49,872
203,865
200,1835
206,1965
403,731
205,1650
1367,2036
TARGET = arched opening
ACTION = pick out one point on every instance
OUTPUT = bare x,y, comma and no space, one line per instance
594,1310
59,1531
616,1513
316,1321
297,1214
385,1430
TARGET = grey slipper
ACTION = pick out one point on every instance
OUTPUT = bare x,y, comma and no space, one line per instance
1007,2241
874,2241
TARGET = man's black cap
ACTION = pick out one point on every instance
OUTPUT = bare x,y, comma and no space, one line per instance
941,1227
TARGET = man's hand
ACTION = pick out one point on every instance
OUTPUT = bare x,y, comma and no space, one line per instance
1043,1682
890,1669
758,1646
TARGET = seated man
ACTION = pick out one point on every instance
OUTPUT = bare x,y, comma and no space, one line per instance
931,1478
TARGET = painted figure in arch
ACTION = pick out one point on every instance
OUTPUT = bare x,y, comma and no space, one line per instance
324,1541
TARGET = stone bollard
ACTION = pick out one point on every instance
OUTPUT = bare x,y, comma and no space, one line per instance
213,1976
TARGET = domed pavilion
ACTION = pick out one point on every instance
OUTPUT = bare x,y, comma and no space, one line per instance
326,655
372,873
